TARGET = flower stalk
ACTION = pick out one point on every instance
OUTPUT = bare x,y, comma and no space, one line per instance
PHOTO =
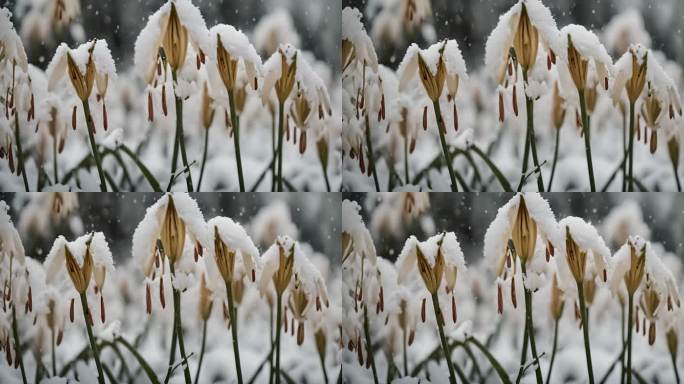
369,344
441,127
584,312
17,344
439,317
234,332
236,138
281,133
93,345
180,136
531,139
530,328
179,327
20,153
91,135
371,157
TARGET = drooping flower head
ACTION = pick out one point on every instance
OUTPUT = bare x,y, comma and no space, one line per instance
357,47
230,51
230,245
582,50
10,242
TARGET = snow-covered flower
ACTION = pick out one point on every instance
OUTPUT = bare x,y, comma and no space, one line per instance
166,225
583,257
415,11
12,51
280,72
437,259
293,275
11,247
89,64
230,50
436,65
523,28
231,244
624,29
357,47
176,25
84,259
624,220
357,242
580,50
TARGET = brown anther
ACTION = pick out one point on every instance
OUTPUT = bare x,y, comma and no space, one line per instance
71,310
514,298
102,309
422,310
162,297
515,101
163,98
455,119
425,118
148,299
150,107
104,116
73,118
501,108
454,316
499,299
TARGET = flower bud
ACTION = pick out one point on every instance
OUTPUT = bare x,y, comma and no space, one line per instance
636,83
225,257
524,234
227,66
172,232
433,83
79,274
286,82
175,40
526,41
578,66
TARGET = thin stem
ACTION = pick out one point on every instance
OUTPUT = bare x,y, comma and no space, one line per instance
673,356
236,139
371,158
54,160
445,150
439,317
234,332
622,339
93,346
553,350
325,175
403,342
529,106
274,151
584,312
90,126
676,174
281,107
52,351
172,353
406,155
20,153
623,167
369,344
630,323
154,184
179,133
279,324
523,354
325,372
492,360
530,329
17,344
271,337
631,175
555,160
587,140
201,356
179,328
204,158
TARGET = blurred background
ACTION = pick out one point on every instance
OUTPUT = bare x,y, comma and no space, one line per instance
657,216
470,23
120,21
316,217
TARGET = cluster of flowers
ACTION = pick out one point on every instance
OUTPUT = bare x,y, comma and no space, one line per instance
562,72
179,254
215,71
529,257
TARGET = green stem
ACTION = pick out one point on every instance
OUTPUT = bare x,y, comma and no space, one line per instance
325,372
234,332
623,167
369,344
439,317
145,366
631,171
445,150
172,352
271,337
180,135
523,354
630,322
406,155
201,356
553,350
281,107
529,105
54,160
403,342
530,329
52,351
179,328
274,151
584,312
93,346
325,175
17,344
555,160
676,174
90,126
673,356
279,324
505,185
587,140
371,158
20,154
204,158
236,139
622,339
